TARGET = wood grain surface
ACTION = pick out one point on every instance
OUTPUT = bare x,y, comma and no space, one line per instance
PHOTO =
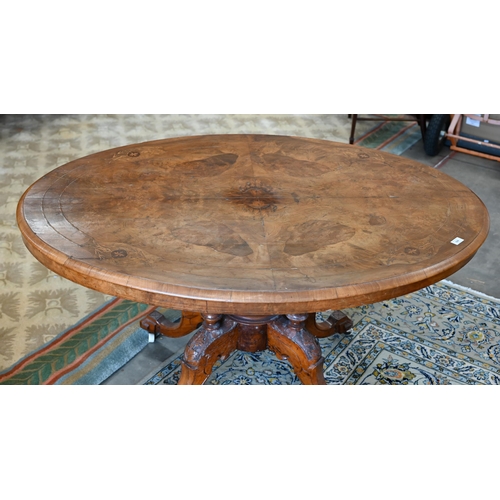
251,224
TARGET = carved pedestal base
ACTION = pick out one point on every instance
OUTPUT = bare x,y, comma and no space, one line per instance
292,337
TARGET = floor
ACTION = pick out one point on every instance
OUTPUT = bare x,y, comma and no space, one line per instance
479,174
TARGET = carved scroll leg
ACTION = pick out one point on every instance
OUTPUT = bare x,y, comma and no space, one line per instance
155,323
337,322
216,339
288,338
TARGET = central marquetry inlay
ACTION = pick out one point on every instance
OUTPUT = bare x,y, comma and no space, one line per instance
255,197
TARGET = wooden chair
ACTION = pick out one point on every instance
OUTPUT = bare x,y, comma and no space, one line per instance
420,119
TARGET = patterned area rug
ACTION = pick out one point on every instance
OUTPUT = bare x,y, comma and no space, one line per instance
87,353
37,307
440,335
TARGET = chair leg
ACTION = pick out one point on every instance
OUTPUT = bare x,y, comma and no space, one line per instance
421,122
353,128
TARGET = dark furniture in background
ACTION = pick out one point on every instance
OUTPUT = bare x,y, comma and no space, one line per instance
420,119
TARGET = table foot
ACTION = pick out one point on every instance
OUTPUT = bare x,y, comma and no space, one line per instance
337,322
155,323
288,338
216,339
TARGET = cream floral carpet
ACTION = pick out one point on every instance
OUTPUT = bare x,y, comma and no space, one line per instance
35,304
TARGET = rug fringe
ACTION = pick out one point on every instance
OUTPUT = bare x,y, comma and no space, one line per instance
470,290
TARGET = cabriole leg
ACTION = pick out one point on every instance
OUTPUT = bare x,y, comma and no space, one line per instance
288,338
216,339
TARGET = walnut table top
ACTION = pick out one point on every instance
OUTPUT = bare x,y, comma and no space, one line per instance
251,224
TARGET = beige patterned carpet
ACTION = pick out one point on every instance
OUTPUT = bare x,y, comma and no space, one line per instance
36,304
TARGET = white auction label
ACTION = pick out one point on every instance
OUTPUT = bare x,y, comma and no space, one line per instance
471,121
457,241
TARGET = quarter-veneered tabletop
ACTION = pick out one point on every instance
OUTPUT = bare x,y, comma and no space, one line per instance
252,224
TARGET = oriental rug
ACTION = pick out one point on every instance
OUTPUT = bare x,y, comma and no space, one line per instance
40,311
440,335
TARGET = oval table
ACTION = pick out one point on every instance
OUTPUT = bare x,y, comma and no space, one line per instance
250,236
